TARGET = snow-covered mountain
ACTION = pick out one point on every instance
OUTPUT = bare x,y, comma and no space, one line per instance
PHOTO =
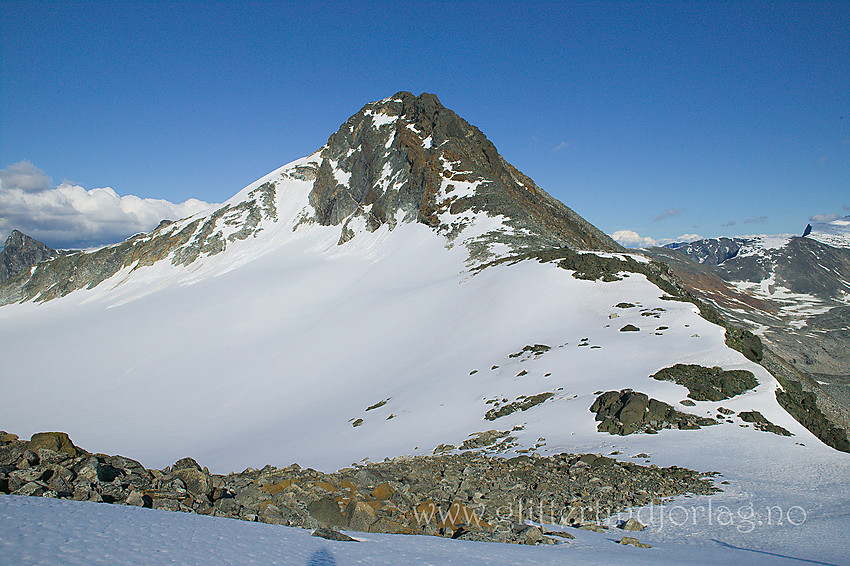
401,289
835,233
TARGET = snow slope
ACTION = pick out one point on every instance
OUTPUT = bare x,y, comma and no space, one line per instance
280,348
46,531
835,233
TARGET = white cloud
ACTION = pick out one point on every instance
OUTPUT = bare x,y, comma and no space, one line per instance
25,177
561,147
686,238
824,217
631,239
71,216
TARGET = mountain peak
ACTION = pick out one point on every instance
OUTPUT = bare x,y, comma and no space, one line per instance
20,252
409,158
404,159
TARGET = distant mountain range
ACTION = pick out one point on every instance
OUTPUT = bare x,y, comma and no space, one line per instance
793,291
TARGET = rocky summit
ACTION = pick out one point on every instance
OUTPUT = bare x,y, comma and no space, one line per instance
21,252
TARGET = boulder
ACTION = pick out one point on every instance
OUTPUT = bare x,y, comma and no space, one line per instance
56,441
359,516
633,542
326,511
332,534
631,525
196,481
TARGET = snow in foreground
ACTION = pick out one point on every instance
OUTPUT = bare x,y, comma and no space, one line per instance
48,531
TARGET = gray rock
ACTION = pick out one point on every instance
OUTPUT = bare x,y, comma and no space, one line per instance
633,542
21,252
138,499
195,480
360,516
708,384
273,515
326,511
626,412
50,457
227,506
31,488
631,525
166,504
332,534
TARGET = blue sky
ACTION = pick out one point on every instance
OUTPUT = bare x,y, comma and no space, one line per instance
659,118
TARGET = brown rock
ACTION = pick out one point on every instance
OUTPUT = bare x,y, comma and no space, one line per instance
633,542
6,437
460,515
383,492
56,441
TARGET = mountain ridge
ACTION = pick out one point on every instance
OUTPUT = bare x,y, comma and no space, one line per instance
401,159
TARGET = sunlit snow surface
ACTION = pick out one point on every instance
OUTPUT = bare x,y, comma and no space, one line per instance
270,351
48,531
835,233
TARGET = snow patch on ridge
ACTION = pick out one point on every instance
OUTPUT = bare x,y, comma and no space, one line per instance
379,119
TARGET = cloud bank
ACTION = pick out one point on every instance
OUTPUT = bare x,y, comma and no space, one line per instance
70,216
631,239
824,217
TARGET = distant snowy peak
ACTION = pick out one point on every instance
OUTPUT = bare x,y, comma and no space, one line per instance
715,251
835,233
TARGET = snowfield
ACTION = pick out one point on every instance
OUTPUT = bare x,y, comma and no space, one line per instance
48,531
272,351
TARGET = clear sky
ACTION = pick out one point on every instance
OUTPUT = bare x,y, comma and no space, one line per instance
660,118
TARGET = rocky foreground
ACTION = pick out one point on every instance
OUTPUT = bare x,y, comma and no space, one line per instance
465,495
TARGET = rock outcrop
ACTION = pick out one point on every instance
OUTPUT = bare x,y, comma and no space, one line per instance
628,412
468,496
20,252
708,384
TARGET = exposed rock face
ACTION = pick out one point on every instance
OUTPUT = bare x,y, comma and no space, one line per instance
796,293
408,158
628,412
21,252
181,242
468,496
55,441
